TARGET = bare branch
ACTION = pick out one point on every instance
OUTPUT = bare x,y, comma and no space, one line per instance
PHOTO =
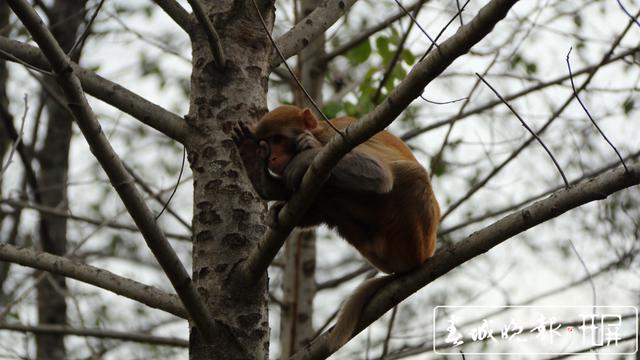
624,9
481,183
79,43
387,339
533,133
364,35
210,32
488,215
156,195
98,222
415,21
480,242
408,90
14,134
398,52
329,284
293,75
307,29
177,13
96,333
101,278
591,349
588,69
584,107
111,93
112,165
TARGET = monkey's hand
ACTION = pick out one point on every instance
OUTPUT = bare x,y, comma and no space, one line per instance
272,216
245,140
254,155
307,141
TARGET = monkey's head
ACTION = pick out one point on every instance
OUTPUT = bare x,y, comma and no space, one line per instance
277,133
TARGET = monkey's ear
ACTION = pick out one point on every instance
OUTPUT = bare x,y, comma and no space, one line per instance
310,121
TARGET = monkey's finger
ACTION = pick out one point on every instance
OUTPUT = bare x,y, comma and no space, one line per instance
236,134
263,150
246,131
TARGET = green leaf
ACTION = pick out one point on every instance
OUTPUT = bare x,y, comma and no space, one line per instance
332,109
531,68
577,19
382,44
360,53
438,166
395,36
628,105
515,60
408,57
399,73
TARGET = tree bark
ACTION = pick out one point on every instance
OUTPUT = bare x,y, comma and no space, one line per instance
228,215
4,138
299,284
54,164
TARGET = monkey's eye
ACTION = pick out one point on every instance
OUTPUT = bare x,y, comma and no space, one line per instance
278,139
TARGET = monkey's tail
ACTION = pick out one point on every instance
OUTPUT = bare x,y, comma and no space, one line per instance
351,311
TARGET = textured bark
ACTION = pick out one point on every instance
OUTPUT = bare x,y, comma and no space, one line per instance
4,139
299,284
54,165
298,288
228,215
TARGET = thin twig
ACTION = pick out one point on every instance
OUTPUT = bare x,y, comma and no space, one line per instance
478,185
564,178
594,292
96,333
9,56
330,284
443,102
357,39
537,87
284,61
396,56
591,349
18,140
212,35
175,188
633,18
80,41
98,222
573,86
459,12
438,159
387,339
435,42
488,215
415,21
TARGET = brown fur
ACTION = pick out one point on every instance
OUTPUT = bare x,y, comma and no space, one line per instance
394,230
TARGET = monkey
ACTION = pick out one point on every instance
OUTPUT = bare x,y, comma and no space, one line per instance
378,197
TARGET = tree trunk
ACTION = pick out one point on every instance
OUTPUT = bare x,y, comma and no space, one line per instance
228,216
298,288
299,285
64,23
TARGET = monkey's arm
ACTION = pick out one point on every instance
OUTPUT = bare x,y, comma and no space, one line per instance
356,171
254,157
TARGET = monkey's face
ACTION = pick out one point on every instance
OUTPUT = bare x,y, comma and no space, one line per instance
281,151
